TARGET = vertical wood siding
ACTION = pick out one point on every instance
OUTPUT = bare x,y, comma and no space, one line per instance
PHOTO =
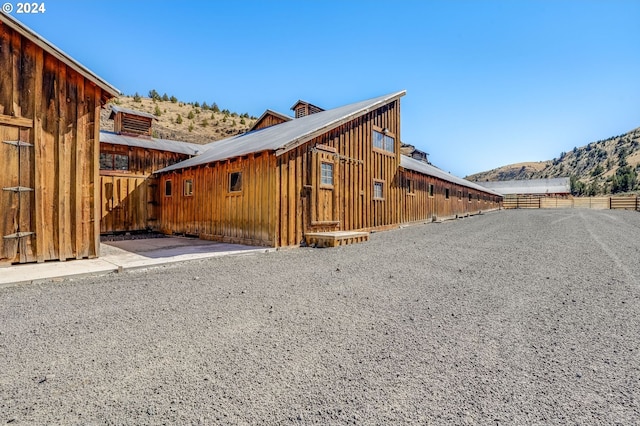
213,212
419,206
49,106
129,199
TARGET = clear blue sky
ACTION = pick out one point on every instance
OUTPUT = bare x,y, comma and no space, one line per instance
488,82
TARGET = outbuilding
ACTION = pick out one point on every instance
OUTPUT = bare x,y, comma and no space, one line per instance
49,146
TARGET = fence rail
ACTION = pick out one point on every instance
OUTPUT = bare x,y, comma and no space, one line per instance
604,203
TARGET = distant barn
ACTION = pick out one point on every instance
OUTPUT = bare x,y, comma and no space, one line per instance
532,187
49,131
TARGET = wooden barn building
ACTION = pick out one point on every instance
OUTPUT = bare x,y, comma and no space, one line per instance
129,155
322,172
49,131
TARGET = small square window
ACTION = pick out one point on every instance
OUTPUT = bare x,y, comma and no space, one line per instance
188,187
326,174
235,182
168,188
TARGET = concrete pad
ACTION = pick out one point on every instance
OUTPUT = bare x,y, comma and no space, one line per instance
117,256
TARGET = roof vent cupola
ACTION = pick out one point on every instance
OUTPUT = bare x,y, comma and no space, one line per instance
302,109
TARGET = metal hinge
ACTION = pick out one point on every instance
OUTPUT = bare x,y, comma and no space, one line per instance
18,189
18,143
18,235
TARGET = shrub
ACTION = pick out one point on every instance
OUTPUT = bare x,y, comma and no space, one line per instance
191,115
137,98
173,99
179,119
190,127
157,111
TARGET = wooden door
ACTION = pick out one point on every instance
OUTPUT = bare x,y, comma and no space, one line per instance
17,196
325,187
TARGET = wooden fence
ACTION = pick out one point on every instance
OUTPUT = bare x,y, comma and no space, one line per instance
604,203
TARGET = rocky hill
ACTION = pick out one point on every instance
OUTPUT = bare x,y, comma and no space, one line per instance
602,167
182,121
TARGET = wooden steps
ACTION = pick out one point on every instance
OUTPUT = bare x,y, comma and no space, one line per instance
335,238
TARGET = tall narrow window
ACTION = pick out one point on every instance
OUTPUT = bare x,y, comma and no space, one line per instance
446,193
430,190
168,189
235,182
410,189
326,174
188,187
378,190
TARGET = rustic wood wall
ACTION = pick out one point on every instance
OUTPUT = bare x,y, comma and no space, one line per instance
268,121
213,212
307,206
129,199
54,112
418,205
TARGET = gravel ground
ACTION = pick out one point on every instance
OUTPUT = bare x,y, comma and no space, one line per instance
513,317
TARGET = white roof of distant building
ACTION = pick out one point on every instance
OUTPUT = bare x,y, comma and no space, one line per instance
530,186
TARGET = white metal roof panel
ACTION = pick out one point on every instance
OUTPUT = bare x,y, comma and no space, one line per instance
531,186
430,170
152,143
285,136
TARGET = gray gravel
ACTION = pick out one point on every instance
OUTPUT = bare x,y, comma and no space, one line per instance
513,317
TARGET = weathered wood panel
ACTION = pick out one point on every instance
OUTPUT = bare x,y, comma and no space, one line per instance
420,204
247,215
129,198
54,109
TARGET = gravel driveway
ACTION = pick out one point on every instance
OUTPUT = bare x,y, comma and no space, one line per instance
512,317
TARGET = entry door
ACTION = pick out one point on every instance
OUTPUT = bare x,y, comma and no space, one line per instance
324,212
17,239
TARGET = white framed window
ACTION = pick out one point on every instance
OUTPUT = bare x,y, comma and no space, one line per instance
378,190
383,142
326,174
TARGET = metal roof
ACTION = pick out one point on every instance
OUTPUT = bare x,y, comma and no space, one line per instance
285,136
116,109
56,52
284,117
152,143
531,186
430,170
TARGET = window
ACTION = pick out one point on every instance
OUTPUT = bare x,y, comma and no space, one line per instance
430,190
410,185
235,182
446,193
459,195
188,187
326,174
383,142
113,161
378,190
470,197
168,188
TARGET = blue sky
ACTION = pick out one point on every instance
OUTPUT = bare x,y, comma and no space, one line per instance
489,82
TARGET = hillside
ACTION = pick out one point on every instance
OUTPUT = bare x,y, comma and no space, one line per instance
197,123
602,167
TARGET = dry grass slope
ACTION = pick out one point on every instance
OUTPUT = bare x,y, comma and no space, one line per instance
594,164
198,125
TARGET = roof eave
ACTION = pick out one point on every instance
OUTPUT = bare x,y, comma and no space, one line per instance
307,137
59,54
